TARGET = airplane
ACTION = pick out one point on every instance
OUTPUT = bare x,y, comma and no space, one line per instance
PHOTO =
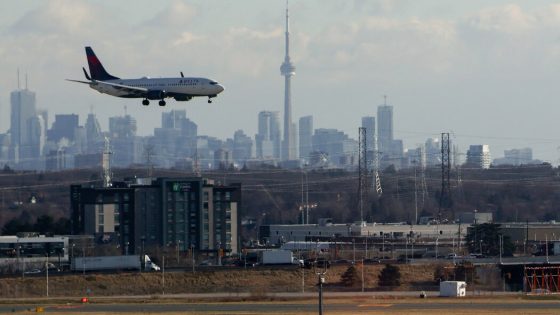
179,88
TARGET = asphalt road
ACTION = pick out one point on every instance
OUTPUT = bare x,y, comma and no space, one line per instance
286,307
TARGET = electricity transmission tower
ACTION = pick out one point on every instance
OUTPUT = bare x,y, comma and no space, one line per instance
445,196
363,172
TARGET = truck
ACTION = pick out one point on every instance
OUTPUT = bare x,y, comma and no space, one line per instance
128,262
452,288
279,257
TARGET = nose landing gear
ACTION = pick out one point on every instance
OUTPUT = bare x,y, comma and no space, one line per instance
162,103
145,102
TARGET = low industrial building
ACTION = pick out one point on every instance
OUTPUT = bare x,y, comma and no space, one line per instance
22,253
325,230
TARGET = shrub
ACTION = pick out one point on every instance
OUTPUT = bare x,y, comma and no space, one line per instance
390,276
350,277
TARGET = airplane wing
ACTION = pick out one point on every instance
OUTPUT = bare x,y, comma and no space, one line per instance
127,88
84,82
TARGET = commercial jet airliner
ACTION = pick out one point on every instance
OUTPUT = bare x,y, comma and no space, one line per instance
181,89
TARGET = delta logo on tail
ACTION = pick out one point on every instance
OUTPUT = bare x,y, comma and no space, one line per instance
180,88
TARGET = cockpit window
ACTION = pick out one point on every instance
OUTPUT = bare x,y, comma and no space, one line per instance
213,82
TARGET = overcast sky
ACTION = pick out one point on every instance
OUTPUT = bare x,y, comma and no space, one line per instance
486,71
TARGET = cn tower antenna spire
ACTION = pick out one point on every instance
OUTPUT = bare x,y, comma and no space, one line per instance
288,70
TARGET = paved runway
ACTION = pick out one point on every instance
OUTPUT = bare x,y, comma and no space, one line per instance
287,307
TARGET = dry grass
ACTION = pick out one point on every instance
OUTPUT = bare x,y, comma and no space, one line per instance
257,281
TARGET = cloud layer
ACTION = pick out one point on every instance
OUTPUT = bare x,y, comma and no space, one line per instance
489,71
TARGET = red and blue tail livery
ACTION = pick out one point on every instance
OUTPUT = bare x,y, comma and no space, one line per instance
180,88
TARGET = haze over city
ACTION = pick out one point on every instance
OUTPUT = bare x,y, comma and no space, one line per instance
483,70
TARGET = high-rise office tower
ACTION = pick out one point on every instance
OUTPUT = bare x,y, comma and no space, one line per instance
93,134
242,146
173,119
23,109
288,70
268,137
63,126
36,129
479,156
305,136
384,127
122,126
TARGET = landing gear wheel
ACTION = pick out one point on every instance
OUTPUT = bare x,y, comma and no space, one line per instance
162,103
209,101
145,102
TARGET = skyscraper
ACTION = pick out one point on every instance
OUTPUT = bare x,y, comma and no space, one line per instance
23,109
268,137
93,134
288,70
63,126
478,156
384,127
305,136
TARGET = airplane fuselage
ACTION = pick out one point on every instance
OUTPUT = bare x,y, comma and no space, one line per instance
179,88
188,87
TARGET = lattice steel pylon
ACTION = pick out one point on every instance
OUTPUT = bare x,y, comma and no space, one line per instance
363,172
376,178
106,164
445,196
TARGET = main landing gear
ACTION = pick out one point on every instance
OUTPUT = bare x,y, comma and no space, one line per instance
162,103
145,102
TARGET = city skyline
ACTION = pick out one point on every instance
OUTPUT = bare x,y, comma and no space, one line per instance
483,71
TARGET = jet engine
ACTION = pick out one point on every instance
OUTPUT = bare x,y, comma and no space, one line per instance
156,94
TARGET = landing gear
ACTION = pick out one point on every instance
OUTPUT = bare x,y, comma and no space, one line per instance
162,103
209,100
145,102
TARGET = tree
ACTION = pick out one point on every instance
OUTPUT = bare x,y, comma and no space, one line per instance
15,226
350,277
44,224
485,239
390,276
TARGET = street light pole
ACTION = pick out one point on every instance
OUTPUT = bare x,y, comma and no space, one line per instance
193,260
47,272
353,251
363,275
163,276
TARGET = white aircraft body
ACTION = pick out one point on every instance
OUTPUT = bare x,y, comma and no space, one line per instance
181,88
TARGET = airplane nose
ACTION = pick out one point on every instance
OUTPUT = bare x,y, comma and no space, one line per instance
220,88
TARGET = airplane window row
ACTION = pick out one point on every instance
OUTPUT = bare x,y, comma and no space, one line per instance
174,84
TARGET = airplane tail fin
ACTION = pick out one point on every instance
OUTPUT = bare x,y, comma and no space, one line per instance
96,68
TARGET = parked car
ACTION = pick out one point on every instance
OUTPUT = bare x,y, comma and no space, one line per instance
32,271
318,263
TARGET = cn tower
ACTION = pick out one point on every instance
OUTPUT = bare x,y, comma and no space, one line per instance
288,70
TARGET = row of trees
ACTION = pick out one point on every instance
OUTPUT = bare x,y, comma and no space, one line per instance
44,224
390,275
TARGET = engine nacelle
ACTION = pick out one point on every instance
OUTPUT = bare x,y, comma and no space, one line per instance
182,98
156,94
